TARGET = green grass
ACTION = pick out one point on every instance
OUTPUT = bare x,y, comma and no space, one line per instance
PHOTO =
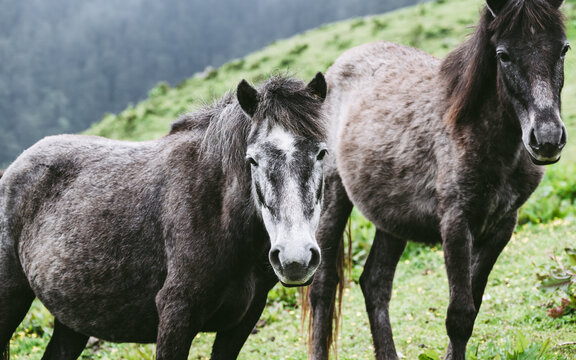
513,305
513,316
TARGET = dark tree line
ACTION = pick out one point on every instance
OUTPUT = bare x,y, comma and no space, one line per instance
64,63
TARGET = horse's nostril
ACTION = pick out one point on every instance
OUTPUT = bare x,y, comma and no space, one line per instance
315,258
533,140
275,258
563,139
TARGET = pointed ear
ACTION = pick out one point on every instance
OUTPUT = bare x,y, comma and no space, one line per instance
318,86
495,6
556,3
247,97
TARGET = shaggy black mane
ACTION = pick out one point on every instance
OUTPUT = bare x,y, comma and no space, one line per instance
470,70
283,101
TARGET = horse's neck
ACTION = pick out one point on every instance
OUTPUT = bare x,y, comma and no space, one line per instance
239,214
490,136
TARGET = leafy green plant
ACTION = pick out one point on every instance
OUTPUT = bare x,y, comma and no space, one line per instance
289,297
559,278
518,348
429,354
38,321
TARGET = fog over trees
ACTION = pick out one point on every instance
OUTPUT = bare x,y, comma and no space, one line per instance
64,63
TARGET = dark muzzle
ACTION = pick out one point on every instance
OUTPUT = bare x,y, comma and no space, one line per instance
295,268
547,139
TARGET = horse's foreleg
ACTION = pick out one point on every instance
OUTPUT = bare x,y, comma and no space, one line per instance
457,244
229,343
322,292
65,344
485,254
179,322
376,282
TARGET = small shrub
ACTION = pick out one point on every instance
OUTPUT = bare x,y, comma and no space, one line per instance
344,44
286,62
378,25
234,65
357,23
298,49
559,278
416,36
161,89
437,33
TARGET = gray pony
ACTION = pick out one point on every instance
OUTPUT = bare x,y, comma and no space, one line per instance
155,241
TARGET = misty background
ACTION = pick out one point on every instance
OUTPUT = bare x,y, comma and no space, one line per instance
65,63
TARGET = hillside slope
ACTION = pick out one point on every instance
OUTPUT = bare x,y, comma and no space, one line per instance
437,27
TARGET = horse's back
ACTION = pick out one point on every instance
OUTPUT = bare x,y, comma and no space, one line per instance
386,109
374,65
64,166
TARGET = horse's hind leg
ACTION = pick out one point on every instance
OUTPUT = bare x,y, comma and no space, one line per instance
15,298
65,344
13,307
322,294
376,282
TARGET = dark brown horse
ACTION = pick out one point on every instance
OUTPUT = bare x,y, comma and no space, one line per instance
439,151
156,241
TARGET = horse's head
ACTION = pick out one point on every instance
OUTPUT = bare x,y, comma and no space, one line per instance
530,44
285,151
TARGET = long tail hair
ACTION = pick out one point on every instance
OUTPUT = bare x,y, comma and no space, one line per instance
344,268
5,353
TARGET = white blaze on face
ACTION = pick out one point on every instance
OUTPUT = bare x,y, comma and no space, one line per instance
283,140
291,209
543,95
289,225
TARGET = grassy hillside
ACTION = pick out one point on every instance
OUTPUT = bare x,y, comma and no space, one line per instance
513,322
436,27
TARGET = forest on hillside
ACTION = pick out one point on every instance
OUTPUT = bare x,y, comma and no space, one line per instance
65,63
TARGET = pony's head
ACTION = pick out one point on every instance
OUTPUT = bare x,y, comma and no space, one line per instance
530,44
285,150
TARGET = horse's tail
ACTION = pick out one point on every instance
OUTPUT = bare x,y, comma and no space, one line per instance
5,353
344,268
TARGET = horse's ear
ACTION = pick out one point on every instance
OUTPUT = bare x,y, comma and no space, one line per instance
556,3
318,86
247,97
495,6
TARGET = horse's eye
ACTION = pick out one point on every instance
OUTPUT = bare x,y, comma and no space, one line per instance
251,161
321,154
503,56
565,50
